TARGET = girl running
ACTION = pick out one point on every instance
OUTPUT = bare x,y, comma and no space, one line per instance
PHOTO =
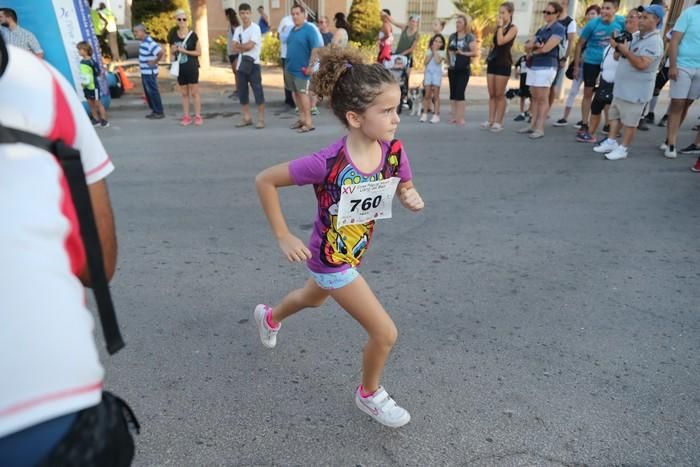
364,98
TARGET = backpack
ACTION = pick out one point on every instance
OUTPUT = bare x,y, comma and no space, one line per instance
564,43
70,162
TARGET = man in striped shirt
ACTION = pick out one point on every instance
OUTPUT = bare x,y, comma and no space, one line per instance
150,53
17,36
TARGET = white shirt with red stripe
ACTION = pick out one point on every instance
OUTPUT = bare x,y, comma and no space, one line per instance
49,365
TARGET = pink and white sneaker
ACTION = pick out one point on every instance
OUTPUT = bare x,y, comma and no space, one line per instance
198,120
381,407
268,335
186,120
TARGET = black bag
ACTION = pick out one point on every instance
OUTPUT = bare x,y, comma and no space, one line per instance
247,64
569,73
604,91
99,437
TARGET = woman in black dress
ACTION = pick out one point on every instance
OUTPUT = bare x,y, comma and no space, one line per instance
186,48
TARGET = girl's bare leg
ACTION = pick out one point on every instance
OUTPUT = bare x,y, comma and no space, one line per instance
309,296
360,302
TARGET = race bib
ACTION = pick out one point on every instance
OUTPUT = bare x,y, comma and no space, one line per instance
366,201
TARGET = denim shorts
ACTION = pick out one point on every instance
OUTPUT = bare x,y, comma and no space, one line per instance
334,280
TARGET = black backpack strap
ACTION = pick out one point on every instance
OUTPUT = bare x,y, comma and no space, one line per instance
69,159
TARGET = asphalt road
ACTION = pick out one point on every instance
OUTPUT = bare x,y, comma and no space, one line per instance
547,303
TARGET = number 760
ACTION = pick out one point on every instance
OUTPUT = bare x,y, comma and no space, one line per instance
366,203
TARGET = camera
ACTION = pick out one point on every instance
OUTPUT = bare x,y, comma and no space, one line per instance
623,36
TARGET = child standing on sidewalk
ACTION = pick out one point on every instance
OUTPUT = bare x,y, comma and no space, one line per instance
365,98
434,59
88,76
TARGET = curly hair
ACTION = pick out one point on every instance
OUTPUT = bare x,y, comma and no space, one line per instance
350,84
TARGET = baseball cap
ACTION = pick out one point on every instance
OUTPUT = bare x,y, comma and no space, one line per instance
656,10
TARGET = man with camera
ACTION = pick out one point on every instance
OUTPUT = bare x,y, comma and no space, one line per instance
638,56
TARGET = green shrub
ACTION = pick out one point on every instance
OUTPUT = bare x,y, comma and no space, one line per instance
219,48
158,16
270,52
364,21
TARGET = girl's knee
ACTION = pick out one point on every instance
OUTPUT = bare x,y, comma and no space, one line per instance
387,335
315,302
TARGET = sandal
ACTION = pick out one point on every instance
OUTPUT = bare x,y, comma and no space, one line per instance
298,124
305,129
243,123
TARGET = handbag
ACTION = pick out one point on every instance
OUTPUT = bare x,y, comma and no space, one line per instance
570,71
246,65
175,66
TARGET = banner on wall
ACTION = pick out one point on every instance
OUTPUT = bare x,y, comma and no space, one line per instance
58,32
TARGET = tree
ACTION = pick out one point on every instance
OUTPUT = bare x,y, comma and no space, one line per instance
482,12
364,21
200,25
158,16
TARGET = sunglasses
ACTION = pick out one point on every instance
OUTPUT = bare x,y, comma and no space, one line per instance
547,12
182,19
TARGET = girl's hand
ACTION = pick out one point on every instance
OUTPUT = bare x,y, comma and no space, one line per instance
410,199
294,249
499,21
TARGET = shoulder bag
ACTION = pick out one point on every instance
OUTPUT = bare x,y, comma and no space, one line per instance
175,65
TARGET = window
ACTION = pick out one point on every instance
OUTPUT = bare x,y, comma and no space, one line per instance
426,9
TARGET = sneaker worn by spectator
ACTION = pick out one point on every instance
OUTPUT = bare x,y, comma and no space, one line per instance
649,118
690,149
520,117
186,120
617,154
696,167
670,152
560,122
662,122
585,137
642,125
606,129
435,119
606,146
578,124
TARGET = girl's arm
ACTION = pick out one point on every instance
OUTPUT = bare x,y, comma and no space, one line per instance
505,38
266,184
409,197
473,50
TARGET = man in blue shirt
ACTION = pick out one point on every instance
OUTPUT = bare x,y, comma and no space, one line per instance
593,39
684,73
302,43
150,53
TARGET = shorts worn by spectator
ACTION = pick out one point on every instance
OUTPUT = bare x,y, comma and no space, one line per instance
54,384
247,42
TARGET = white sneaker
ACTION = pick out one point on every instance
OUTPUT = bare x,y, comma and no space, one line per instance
617,154
606,146
435,119
670,153
381,407
526,130
485,125
496,128
423,118
663,146
268,336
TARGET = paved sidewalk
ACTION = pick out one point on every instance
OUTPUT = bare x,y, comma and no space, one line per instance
216,84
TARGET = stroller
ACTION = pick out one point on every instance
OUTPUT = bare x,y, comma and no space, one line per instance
398,66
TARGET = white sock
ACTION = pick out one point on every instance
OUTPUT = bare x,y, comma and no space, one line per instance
652,104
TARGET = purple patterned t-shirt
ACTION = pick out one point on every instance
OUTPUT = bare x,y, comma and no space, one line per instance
337,249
